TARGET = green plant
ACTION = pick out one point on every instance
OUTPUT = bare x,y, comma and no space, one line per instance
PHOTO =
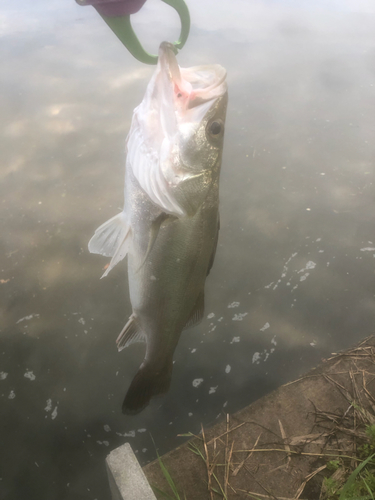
169,479
359,485
333,465
195,449
330,487
368,448
370,433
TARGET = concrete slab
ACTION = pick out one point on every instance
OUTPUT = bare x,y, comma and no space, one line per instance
126,478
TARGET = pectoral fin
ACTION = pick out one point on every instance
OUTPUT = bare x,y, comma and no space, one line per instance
196,314
112,239
155,227
212,258
192,191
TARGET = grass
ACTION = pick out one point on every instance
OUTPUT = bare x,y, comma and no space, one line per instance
360,484
349,481
168,478
170,481
214,485
341,484
341,444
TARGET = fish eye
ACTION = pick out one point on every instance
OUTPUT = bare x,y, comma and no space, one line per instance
215,128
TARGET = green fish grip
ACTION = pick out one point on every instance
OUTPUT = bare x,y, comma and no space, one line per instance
122,27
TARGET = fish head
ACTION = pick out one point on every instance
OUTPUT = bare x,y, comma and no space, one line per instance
195,101
200,134
181,123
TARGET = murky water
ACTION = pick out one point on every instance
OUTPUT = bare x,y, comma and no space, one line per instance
294,273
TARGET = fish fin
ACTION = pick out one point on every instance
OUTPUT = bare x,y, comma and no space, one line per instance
147,383
213,254
196,314
147,170
175,193
112,239
191,192
130,334
120,254
108,236
155,228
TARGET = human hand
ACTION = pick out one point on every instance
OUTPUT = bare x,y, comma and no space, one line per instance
114,8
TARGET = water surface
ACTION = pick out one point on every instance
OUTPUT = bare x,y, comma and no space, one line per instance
293,278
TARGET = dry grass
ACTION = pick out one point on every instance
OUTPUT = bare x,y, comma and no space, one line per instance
335,436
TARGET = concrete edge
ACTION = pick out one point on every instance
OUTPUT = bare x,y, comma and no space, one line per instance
126,478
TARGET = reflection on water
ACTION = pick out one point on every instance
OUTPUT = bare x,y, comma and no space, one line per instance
294,269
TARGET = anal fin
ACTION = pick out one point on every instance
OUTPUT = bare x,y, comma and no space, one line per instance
155,228
130,334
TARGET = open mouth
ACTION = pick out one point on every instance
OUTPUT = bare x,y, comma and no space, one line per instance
198,83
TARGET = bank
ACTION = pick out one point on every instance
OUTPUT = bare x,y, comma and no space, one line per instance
279,447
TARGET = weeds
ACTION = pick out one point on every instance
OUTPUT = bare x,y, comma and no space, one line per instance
341,443
170,481
358,486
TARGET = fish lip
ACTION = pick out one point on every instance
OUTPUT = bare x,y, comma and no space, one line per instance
168,62
189,95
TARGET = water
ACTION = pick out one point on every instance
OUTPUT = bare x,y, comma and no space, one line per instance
294,271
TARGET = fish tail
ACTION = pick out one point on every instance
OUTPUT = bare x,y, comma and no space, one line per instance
147,383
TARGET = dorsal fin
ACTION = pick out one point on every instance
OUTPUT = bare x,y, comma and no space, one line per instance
130,334
196,314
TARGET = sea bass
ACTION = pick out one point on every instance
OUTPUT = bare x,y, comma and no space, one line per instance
170,222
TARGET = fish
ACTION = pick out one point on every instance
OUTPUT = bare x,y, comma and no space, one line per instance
169,226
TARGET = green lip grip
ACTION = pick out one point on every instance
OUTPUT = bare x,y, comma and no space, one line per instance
117,16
